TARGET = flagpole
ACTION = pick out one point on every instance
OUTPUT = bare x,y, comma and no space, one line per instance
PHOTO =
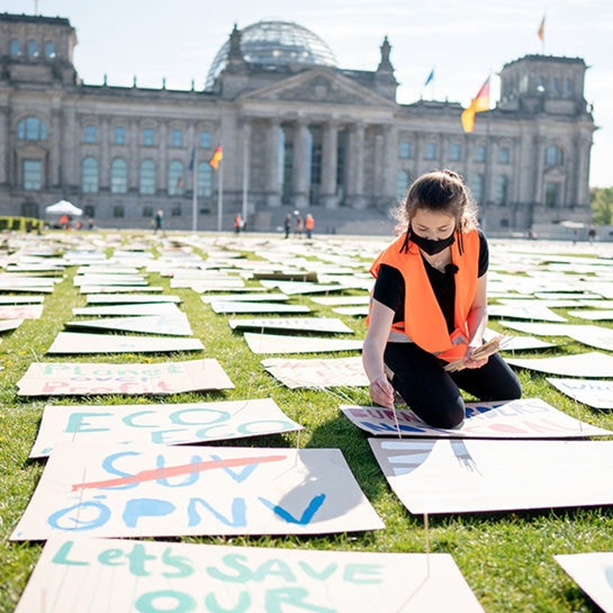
194,191
219,196
245,174
486,179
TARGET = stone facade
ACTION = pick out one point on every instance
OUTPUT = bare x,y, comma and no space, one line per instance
305,137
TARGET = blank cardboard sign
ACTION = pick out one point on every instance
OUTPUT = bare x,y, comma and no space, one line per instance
596,394
183,576
592,365
284,343
82,343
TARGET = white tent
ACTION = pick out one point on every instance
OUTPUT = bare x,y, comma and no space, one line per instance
63,207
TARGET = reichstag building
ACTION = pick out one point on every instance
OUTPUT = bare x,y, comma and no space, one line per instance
297,132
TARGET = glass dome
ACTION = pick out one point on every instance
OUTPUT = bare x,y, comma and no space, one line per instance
275,43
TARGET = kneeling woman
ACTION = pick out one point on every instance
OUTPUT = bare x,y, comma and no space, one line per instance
429,307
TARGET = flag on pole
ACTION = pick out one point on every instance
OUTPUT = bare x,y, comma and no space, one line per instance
216,158
541,31
480,103
430,78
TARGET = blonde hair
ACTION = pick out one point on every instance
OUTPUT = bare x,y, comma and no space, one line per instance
441,191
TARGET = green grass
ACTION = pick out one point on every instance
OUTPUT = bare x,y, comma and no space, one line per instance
506,558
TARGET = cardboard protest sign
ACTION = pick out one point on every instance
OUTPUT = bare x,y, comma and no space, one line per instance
593,365
10,324
248,297
593,573
257,307
594,336
21,311
108,279
94,379
332,325
518,343
596,394
21,299
283,343
158,424
294,288
317,373
341,300
127,309
118,289
81,343
593,314
130,298
534,311
524,418
474,475
542,329
93,491
156,576
354,311
175,324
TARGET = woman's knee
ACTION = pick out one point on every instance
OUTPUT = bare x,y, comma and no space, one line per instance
448,414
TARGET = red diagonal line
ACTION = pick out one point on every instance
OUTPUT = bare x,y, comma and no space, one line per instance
173,471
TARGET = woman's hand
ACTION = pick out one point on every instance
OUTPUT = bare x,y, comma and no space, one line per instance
470,362
382,392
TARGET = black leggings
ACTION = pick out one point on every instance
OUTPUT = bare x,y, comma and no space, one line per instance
434,395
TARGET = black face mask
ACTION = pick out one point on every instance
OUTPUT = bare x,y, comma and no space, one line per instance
430,246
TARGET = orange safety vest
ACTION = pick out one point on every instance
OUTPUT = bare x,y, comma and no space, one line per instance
309,223
424,322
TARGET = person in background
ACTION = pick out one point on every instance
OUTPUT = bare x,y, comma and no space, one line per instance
238,223
158,221
298,224
309,225
287,225
429,307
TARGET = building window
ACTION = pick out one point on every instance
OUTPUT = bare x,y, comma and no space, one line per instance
205,180
147,177
405,149
89,176
50,50
89,135
480,153
430,151
554,156
501,191
119,177
175,211
504,155
119,135
32,49
175,178
205,139
476,187
32,175
402,184
32,128
176,138
552,195
148,211
148,137
118,210
455,152
90,211
15,48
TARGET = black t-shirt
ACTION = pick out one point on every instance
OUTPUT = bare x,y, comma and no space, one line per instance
389,287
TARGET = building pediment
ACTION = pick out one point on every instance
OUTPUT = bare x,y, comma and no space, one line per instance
319,86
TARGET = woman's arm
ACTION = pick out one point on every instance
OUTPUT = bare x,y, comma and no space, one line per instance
477,323
381,318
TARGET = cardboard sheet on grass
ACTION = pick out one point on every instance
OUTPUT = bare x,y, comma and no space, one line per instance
524,418
129,309
517,343
21,311
332,325
590,365
258,307
78,343
317,373
21,299
596,394
474,475
97,378
130,298
119,289
284,343
195,577
158,424
535,312
593,573
10,324
88,490
175,324
249,297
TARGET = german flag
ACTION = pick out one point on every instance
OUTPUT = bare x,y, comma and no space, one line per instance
216,158
480,103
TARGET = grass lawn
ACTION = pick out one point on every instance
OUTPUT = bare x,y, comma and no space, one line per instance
506,557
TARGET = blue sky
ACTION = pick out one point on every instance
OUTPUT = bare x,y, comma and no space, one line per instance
463,41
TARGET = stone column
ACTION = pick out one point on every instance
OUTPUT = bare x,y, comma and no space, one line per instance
5,145
104,169
581,176
329,163
246,136
135,160
273,180
390,164
301,161
162,148
55,153
356,166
